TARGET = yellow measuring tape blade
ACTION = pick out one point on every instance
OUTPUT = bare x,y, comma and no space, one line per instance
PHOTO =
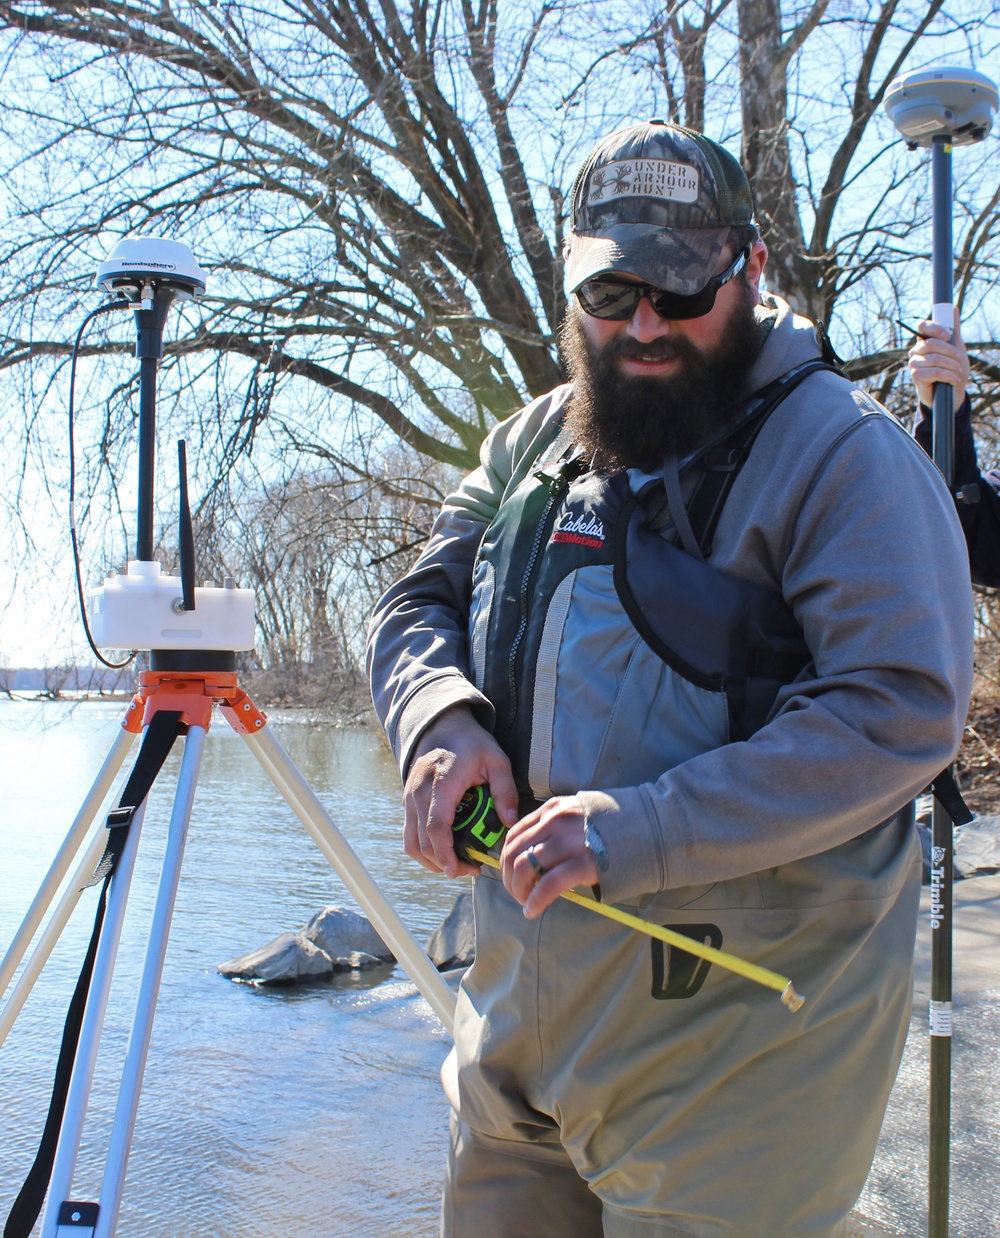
750,971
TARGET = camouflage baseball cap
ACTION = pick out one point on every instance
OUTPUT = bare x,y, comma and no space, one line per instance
657,201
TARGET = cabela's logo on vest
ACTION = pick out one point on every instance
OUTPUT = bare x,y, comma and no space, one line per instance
581,528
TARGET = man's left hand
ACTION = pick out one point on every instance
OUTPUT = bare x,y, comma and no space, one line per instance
544,854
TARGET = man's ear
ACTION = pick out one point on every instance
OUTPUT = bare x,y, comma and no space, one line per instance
755,266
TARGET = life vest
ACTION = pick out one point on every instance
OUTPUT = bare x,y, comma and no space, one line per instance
608,652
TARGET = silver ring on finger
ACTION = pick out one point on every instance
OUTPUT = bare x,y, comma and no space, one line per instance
534,862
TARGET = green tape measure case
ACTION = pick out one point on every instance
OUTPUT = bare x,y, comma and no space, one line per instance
476,823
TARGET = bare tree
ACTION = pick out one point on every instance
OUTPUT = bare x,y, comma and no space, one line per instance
317,546
316,153
367,176
379,192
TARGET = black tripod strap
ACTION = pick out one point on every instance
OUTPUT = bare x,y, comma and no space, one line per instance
28,1204
163,729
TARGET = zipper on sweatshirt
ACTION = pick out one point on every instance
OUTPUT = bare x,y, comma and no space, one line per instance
558,486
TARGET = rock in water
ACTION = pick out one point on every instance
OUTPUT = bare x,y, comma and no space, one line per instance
358,960
285,960
337,940
454,943
342,933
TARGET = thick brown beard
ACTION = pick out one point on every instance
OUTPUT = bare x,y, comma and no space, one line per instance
623,421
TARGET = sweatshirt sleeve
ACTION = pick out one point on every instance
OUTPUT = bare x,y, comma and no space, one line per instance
965,463
981,522
876,573
417,652
981,518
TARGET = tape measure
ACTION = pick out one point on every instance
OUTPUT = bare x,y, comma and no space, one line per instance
477,828
476,823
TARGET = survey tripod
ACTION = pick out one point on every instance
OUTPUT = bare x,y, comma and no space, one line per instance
941,108
192,636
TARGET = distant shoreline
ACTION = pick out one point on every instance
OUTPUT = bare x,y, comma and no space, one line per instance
343,710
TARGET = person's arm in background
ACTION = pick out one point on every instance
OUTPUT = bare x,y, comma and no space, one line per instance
940,357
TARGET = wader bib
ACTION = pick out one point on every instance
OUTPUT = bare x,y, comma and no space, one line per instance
686,1100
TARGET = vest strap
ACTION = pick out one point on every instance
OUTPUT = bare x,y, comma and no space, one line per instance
722,461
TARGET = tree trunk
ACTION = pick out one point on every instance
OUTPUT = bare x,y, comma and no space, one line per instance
792,273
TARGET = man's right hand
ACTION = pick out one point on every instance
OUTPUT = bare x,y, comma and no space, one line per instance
453,754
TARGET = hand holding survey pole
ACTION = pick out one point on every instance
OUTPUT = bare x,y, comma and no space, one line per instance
941,108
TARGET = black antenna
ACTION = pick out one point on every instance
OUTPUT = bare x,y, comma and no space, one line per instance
185,530
150,317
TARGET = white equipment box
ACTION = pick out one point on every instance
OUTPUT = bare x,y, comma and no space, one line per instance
142,610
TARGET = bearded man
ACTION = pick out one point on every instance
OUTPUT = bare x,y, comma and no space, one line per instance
702,622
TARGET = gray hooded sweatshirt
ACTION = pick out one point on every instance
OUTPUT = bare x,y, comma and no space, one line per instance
839,511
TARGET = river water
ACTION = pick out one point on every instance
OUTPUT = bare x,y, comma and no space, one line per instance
313,1111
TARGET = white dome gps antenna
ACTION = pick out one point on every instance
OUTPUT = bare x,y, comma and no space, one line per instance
941,108
138,261
951,103
151,272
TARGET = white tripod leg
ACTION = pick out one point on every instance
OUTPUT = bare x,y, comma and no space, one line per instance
90,1032
307,807
149,987
64,857
53,931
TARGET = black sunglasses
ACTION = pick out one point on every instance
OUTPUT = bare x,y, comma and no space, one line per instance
611,297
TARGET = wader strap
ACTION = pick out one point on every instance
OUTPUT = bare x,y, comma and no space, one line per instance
722,461
675,500
163,729
945,790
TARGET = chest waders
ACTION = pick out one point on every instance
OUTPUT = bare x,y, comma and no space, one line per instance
582,1047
